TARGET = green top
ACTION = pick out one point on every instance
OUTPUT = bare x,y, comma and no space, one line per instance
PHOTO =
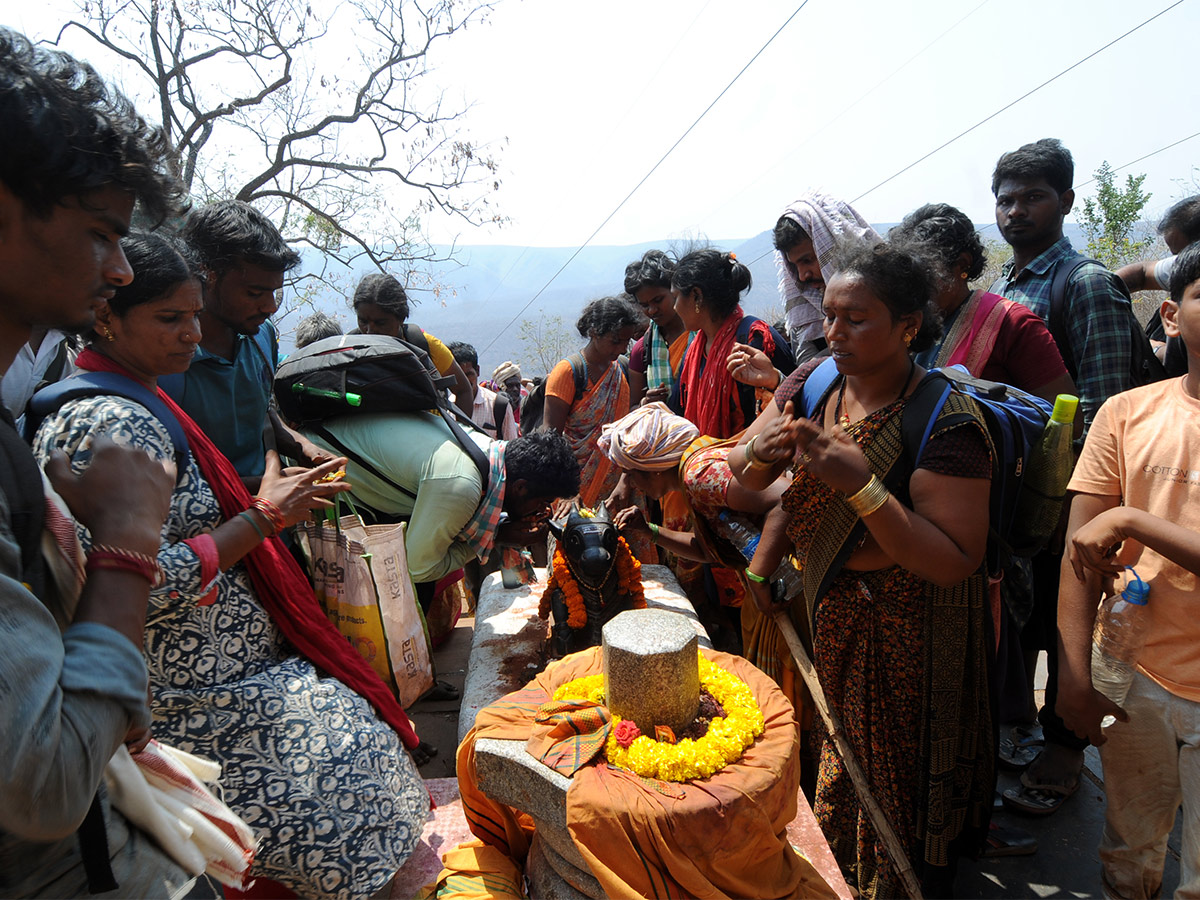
418,452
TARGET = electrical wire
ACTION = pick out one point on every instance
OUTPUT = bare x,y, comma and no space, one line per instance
1132,162
1008,106
646,177
1013,103
788,157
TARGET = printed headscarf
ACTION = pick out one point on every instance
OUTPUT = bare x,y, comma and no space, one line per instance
651,438
827,221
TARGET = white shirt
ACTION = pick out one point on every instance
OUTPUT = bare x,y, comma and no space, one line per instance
28,369
483,414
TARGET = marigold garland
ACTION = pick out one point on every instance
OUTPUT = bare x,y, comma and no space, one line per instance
629,583
725,742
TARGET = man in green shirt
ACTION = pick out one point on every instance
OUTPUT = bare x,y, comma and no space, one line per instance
433,483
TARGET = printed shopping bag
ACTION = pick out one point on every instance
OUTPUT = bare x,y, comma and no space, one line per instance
360,576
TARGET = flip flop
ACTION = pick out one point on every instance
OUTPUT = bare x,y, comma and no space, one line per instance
1039,800
1005,841
1020,747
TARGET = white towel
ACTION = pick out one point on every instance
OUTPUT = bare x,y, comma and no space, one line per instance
160,791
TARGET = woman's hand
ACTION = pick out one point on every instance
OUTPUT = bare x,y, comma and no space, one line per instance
298,490
658,394
562,507
763,597
777,440
832,456
751,366
1094,546
631,519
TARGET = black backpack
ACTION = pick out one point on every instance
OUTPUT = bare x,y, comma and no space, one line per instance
1144,366
500,404
346,374
533,410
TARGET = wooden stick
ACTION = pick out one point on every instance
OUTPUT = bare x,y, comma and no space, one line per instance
883,827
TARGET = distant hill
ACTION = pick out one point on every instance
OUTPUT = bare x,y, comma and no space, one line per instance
476,296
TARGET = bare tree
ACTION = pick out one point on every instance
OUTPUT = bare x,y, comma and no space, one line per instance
544,341
322,110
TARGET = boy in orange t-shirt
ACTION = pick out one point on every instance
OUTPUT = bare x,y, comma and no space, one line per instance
1137,502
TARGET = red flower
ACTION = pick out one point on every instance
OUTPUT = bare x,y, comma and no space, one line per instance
627,732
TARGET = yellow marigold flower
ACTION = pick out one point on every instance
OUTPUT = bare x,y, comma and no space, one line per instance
725,743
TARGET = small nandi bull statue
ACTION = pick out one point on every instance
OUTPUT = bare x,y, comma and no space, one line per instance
593,577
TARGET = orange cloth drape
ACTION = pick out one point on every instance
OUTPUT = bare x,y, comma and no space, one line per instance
723,836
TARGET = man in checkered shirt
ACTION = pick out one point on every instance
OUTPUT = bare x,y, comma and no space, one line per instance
1033,193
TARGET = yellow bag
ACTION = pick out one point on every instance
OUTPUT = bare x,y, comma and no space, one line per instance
360,576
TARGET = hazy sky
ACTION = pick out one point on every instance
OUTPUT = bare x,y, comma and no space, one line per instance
589,95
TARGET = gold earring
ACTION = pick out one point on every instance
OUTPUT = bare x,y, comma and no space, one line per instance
962,275
697,307
907,339
105,333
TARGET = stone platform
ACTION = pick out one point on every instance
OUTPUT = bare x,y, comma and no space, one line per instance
447,828
507,648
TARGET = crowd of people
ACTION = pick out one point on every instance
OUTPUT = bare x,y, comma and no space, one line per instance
138,371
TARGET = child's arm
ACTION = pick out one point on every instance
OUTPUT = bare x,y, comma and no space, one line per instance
1079,704
1095,544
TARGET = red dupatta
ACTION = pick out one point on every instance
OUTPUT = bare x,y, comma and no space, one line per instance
709,395
279,584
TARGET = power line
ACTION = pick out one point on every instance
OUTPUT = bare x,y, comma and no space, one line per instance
1008,106
646,177
616,129
846,109
1132,162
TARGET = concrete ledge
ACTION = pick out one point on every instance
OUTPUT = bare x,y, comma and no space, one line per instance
507,649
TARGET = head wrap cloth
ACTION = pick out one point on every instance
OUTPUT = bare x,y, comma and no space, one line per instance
827,221
651,438
505,371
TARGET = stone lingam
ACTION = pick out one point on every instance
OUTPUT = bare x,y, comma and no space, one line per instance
651,649
604,830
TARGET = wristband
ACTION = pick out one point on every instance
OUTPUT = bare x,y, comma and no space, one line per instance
653,530
271,513
245,514
872,496
105,556
759,578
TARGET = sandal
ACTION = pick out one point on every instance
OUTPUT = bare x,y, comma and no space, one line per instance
1005,841
1021,746
1039,800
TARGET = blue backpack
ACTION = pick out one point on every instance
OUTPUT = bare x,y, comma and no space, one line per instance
47,401
1015,421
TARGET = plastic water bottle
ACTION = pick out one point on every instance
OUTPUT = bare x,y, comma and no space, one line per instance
1044,486
785,580
1117,641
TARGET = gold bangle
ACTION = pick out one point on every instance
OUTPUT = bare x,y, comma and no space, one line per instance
753,460
868,500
